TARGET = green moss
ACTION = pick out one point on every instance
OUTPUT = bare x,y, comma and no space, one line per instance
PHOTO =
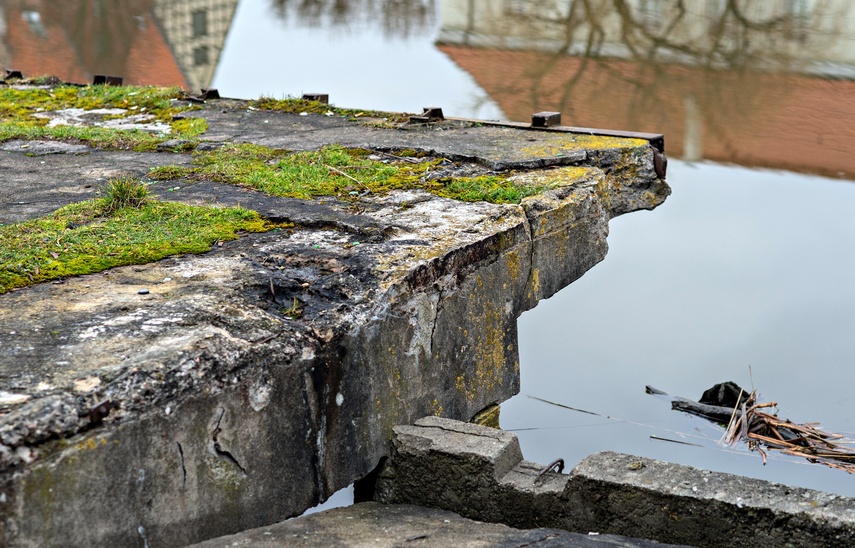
299,106
89,237
19,109
189,127
338,171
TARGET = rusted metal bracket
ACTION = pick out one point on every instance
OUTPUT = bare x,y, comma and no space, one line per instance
103,79
546,119
319,97
430,114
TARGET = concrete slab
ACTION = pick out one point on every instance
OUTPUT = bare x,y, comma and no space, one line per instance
479,472
162,415
379,525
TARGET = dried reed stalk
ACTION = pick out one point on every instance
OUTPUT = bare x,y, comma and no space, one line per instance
755,427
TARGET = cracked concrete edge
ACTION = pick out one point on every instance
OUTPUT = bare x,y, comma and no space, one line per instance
339,447
446,466
348,394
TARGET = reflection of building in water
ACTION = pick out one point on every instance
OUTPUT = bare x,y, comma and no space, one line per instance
396,18
806,35
151,42
761,83
196,30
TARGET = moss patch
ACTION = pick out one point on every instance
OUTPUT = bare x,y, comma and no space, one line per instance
20,114
90,237
299,106
338,171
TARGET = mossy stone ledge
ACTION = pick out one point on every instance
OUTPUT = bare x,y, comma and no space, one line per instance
241,381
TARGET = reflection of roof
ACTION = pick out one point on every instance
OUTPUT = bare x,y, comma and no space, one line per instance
799,123
50,48
150,60
37,54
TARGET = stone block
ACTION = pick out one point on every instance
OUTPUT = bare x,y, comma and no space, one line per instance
479,473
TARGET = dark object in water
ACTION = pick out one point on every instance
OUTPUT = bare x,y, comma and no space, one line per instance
724,394
712,412
746,420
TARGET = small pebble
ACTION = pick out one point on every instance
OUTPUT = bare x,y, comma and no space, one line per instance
143,291
167,280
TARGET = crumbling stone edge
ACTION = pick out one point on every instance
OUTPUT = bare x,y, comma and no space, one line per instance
233,417
479,473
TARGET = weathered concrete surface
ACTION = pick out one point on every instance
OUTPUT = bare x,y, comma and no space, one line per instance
224,412
381,525
479,472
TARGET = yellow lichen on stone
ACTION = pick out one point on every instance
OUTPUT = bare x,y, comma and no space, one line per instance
489,358
91,443
460,383
514,262
563,176
556,145
535,280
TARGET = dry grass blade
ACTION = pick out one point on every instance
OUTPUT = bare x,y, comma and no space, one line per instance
806,440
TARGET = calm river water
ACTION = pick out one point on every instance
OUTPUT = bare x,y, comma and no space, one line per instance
744,274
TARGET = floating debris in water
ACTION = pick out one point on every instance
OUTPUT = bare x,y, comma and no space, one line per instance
746,420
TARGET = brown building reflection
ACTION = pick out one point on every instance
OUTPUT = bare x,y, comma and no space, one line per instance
150,42
764,84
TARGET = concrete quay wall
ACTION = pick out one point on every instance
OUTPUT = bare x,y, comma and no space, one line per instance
194,410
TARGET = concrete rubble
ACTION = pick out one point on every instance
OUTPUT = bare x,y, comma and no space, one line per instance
479,473
197,409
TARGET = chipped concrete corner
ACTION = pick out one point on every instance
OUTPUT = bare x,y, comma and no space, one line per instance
479,473
199,409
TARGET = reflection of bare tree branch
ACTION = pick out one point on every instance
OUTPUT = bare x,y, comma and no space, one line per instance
743,34
670,52
398,18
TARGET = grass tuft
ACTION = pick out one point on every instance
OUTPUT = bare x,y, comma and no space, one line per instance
125,192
